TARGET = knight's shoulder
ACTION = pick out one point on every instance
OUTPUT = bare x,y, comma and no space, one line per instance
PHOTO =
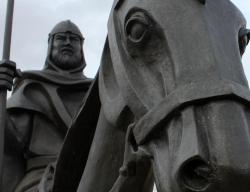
23,81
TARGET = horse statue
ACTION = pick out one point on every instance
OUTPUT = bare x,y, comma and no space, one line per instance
170,103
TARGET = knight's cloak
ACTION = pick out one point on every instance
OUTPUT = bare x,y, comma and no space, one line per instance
50,97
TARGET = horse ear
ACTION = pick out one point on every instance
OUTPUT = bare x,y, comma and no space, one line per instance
202,1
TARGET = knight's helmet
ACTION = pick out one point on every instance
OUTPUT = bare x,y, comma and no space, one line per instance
64,27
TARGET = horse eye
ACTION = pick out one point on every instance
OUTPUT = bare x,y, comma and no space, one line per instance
136,31
244,37
136,28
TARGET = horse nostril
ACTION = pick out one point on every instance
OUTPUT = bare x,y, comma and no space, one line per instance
195,175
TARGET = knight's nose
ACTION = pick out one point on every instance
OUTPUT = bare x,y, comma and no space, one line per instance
67,41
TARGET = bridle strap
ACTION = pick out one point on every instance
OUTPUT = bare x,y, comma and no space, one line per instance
187,95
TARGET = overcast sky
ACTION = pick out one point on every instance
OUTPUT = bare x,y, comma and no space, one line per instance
33,20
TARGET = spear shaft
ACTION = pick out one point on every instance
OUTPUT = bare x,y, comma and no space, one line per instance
8,29
3,92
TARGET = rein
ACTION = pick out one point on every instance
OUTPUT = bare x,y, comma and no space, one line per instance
184,96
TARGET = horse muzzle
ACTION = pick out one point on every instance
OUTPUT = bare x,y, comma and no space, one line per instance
206,147
198,175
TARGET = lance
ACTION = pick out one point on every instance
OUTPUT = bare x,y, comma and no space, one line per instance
3,91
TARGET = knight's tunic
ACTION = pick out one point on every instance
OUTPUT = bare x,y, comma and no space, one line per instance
39,112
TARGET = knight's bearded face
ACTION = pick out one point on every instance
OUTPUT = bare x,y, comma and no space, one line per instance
66,51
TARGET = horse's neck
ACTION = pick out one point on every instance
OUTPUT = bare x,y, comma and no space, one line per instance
105,158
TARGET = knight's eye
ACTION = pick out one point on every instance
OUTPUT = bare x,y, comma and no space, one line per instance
57,37
136,28
244,37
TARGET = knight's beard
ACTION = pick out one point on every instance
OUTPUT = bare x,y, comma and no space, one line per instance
65,61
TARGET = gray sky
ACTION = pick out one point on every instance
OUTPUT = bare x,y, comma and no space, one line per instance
33,20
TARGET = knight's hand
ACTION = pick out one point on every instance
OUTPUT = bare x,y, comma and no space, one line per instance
8,72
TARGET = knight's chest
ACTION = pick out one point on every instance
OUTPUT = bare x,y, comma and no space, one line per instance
71,99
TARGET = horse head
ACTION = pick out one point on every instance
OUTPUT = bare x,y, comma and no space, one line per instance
176,67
